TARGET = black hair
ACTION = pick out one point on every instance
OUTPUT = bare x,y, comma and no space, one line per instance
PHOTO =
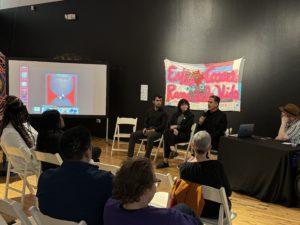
156,96
183,102
50,120
15,112
74,143
216,98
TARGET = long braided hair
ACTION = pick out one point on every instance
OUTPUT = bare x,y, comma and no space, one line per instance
15,112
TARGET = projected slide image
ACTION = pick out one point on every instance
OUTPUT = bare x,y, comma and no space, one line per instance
61,90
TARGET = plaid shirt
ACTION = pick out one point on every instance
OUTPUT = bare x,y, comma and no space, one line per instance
293,131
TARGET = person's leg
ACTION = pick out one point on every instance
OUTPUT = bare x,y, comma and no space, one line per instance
168,135
134,137
186,210
96,152
151,137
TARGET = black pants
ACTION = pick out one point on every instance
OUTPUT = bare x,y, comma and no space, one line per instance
136,136
170,139
96,152
187,210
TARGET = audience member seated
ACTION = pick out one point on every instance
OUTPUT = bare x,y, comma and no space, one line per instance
134,187
155,122
16,130
214,121
50,132
77,190
204,171
179,130
290,124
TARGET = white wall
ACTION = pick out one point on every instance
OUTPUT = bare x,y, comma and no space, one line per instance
4,4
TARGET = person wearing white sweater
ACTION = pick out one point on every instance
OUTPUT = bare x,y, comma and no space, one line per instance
16,131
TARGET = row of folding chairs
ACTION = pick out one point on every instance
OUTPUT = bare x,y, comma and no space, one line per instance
26,170
161,199
118,135
14,210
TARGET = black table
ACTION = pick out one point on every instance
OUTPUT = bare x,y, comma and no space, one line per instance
260,168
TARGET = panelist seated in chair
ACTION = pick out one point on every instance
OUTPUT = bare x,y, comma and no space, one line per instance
179,130
133,189
200,169
16,130
155,122
77,190
214,121
290,124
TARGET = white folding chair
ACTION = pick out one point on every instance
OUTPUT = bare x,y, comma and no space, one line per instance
107,167
218,196
188,144
117,135
54,159
14,210
160,143
162,199
23,171
42,219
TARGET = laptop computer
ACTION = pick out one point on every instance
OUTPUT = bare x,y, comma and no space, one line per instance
246,130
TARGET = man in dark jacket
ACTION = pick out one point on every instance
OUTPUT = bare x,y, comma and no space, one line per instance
155,122
77,190
214,121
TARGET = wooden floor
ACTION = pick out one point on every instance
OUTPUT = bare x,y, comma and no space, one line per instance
249,210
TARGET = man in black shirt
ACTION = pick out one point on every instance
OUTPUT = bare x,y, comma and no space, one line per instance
214,121
155,122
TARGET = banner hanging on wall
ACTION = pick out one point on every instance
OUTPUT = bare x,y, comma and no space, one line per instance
196,82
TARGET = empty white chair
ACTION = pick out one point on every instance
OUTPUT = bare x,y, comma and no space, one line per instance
42,219
14,210
117,135
160,143
54,159
188,144
24,171
162,199
219,196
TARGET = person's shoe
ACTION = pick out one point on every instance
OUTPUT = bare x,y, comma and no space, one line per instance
162,165
173,155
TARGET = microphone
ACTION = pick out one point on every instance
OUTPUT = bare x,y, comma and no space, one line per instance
204,113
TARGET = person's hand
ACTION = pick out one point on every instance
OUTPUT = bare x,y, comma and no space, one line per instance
148,131
175,131
284,118
173,127
201,120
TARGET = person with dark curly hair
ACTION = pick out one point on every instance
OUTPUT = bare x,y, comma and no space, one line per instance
16,131
179,130
133,189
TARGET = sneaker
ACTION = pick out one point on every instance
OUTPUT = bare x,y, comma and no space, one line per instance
162,165
173,155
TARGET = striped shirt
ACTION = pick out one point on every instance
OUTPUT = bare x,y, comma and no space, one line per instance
293,131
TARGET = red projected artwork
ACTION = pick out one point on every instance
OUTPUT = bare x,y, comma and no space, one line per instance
61,90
